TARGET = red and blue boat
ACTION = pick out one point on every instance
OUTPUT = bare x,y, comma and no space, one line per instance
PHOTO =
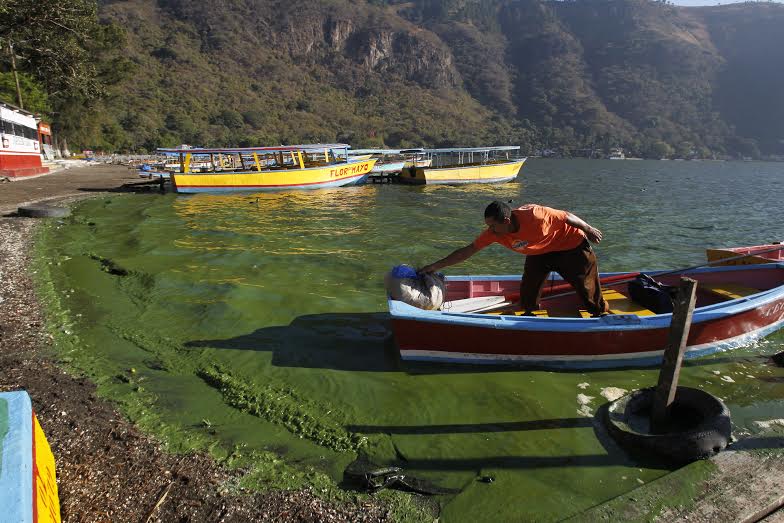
479,322
751,255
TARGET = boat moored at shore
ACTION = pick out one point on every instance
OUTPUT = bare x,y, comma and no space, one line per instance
735,306
458,166
751,255
291,167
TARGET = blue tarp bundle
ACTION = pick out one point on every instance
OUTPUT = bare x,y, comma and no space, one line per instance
403,271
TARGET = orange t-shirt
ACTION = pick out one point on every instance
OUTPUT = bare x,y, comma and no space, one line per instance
542,230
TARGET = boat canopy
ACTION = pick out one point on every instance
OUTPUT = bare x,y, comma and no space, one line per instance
385,151
473,149
314,147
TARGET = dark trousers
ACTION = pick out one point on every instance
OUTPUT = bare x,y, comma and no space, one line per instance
577,266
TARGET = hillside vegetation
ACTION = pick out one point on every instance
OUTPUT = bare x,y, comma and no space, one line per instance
572,76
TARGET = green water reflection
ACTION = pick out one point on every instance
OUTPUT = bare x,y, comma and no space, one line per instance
282,294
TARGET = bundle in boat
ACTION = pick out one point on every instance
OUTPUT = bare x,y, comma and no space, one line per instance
425,291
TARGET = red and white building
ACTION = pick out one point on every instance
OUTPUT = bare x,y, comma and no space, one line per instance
20,153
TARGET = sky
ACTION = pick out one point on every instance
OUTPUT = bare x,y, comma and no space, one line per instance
692,3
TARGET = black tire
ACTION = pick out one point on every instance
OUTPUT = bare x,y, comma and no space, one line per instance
43,211
701,425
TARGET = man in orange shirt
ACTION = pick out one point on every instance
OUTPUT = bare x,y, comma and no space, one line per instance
552,240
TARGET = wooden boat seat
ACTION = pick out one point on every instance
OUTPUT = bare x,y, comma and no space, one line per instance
731,291
620,304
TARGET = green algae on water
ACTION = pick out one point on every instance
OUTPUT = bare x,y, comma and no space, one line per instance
281,406
676,490
263,339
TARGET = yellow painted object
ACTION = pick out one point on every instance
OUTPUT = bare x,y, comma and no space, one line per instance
715,255
28,483
273,180
256,159
620,304
46,499
730,291
489,173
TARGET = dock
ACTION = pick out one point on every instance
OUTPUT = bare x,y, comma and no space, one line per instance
393,177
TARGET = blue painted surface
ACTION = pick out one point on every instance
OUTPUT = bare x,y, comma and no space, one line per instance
16,470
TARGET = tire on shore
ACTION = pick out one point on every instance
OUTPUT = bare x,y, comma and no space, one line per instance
40,210
700,426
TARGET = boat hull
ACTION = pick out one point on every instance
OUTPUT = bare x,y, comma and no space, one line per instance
618,340
154,174
768,256
391,167
489,173
329,176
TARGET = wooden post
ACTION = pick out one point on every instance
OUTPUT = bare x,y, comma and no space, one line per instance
673,354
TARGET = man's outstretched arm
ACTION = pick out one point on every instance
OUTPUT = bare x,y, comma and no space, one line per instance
456,257
593,234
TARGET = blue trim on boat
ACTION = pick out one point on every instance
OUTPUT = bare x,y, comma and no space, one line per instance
613,322
16,467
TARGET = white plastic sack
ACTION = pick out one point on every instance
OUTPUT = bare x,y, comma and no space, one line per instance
425,291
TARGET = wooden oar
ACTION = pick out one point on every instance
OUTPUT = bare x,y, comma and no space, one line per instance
607,280
484,303
632,275
495,302
619,279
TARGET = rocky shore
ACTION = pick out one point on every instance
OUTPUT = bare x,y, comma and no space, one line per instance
108,470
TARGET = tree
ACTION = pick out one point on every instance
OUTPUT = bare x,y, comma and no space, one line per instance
53,39
35,98
657,149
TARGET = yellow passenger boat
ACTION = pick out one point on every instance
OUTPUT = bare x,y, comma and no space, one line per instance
311,166
465,165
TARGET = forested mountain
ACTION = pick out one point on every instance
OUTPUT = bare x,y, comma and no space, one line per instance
573,76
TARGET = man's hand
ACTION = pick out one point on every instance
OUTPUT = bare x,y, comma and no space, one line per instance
427,269
593,234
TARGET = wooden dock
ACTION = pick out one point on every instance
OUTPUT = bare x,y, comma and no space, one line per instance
393,177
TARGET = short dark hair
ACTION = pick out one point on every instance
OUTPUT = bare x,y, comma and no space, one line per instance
498,211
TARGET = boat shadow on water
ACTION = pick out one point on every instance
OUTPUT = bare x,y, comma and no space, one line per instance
339,341
361,342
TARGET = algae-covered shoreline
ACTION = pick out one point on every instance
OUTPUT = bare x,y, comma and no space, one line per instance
174,308
107,469
219,324
247,470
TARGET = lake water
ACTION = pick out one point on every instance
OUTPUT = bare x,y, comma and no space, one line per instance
256,323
